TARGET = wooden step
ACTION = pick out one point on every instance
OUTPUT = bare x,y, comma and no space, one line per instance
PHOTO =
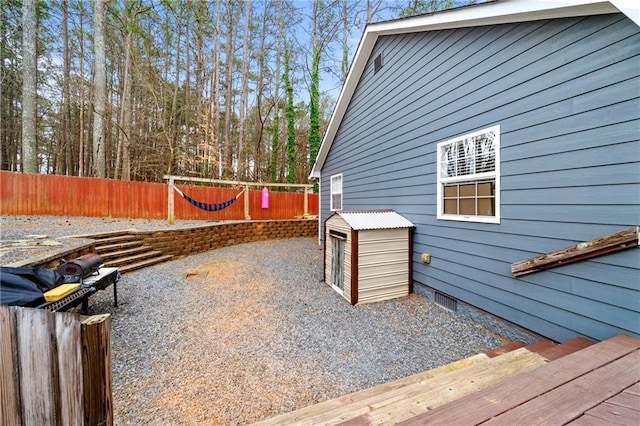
118,246
139,265
537,347
512,346
541,346
404,400
100,235
123,253
449,387
474,409
357,398
566,348
123,261
117,239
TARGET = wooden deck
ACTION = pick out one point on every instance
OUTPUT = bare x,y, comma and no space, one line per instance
576,382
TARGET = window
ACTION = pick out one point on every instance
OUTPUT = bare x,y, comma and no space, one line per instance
469,177
336,192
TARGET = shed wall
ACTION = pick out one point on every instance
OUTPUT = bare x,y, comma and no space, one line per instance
566,94
383,264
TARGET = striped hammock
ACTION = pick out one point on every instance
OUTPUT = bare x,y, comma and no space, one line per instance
206,206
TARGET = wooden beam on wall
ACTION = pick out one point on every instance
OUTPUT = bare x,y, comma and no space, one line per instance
608,244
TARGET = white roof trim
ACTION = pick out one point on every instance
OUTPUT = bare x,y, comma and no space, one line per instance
501,12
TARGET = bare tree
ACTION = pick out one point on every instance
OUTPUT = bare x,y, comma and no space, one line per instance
65,144
231,23
29,78
215,90
100,90
82,152
242,160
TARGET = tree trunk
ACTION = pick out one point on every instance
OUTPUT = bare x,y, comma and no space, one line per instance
275,131
201,120
29,78
215,91
242,160
100,91
82,169
227,168
187,93
63,153
314,118
123,166
171,165
291,117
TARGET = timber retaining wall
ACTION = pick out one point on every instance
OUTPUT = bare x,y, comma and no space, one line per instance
184,242
187,241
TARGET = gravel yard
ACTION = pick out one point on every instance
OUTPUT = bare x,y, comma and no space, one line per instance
243,333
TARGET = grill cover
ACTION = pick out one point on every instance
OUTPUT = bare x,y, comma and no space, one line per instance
82,266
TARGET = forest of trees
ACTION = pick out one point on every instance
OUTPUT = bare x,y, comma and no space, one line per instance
136,89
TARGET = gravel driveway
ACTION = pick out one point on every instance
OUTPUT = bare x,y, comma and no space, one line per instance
243,333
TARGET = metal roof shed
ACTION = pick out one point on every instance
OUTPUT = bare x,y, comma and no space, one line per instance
368,255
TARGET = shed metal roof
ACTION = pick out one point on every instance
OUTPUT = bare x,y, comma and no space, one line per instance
376,219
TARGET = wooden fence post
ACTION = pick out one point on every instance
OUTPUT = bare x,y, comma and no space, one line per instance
171,202
96,357
247,216
306,200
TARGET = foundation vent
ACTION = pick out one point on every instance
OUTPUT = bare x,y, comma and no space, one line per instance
446,301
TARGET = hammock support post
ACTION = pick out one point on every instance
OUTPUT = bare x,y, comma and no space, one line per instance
171,188
171,202
246,203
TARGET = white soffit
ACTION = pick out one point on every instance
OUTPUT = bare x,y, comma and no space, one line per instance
492,13
380,219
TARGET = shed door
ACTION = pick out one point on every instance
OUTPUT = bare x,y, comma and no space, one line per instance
337,261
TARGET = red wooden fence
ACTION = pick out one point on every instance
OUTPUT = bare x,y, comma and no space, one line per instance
35,194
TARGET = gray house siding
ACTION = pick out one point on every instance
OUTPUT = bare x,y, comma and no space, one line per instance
566,93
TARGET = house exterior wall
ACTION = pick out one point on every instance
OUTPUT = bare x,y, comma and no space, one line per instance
383,264
566,94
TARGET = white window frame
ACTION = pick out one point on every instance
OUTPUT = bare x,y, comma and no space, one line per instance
442,179
335,189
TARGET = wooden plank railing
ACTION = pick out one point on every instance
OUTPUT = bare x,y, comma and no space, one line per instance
617,241
55,368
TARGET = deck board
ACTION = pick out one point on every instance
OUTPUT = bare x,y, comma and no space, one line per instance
570,401
626,399
491,402
634,390
615,414
450,387
318,413
589,420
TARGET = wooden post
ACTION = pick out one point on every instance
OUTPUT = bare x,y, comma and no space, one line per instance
170,204
306,201
68,338
96,357
34,330
9,388
247,216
